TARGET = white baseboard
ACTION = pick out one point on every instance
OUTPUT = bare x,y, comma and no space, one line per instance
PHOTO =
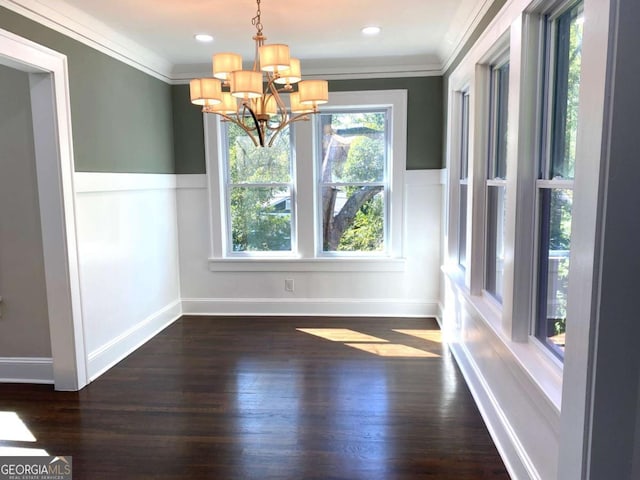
105,357
511,450
309,307
26,370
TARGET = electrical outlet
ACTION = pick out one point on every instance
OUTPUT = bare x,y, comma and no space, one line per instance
288,285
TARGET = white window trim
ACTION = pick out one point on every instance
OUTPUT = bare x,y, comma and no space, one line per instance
472,75
304,257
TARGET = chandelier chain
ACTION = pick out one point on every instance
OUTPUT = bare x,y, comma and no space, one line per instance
255,21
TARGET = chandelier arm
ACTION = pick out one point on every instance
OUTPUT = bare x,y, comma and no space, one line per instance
248,130
282,126
258,127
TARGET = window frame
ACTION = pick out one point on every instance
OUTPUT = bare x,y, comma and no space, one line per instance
545,181
464,153
305,257
319,184
227,187
493,181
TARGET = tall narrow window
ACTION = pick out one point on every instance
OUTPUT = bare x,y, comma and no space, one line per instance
353,174
555,183
259,193
496,180
463,180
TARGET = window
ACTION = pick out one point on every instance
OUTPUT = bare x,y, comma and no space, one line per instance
496,180
463,179
279,209
353,190
555,177
259,193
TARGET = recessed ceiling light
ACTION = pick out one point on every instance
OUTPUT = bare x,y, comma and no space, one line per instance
203,37
372,30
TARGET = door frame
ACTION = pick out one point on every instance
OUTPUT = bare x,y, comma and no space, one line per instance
51,113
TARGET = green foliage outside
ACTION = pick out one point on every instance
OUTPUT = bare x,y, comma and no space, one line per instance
258,220
562,200
365,163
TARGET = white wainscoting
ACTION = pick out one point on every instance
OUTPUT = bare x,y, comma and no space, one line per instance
128,255
412,290
26,370
524,421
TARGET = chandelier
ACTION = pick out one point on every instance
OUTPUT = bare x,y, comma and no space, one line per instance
252,99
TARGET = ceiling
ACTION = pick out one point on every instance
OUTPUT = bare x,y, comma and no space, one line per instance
320,32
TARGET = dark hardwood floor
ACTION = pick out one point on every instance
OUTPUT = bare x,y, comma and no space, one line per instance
257,398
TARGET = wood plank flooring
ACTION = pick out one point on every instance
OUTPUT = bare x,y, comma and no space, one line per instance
269,398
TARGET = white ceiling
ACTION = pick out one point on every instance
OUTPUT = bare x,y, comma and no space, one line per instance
414,32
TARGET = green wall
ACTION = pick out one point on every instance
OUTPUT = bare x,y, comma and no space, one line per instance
424,120
121,117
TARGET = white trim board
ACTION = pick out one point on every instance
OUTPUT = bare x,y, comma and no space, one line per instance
26,370
88,182
342,307
50,102
114,351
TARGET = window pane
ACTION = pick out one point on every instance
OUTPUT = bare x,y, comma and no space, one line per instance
555,245
251,164
568,58
353,147
501,77
352,167
495,240
260,219
462,227
353,218
464,138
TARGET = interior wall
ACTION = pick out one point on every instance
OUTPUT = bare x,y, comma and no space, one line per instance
413,291
24,324
128,251
424,121
121,117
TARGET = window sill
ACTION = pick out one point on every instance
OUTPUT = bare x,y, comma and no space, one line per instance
342,264
544,370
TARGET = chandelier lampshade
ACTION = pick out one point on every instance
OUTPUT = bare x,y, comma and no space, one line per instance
296,106
246,84
290,75
313,92
252,99
205,91
225,63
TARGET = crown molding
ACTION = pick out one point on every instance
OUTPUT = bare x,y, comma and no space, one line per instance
471,26
374,68
88,30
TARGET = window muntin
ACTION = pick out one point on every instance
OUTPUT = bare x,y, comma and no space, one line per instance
353,189
259,192
496,181
555,183
463,180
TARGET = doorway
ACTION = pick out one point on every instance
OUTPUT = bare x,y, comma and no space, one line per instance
52,145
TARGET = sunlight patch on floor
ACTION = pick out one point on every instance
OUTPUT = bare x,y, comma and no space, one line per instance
341,335
392,350
13,429
431,335
22,452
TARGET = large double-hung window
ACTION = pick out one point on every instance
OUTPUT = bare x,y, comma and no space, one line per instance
328,190
463,179
259,193
555,176
352,168
496,180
